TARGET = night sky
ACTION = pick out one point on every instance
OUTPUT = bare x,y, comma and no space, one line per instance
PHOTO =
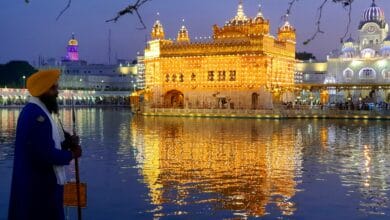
31,30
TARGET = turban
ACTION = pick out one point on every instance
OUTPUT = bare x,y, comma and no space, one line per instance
41,81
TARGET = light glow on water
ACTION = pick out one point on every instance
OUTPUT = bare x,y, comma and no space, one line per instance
214,168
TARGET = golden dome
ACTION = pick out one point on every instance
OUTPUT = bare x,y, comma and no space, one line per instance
240,18
287,27
259,17
73,41
182,35
158,31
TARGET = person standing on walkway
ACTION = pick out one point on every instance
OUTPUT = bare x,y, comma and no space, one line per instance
42,149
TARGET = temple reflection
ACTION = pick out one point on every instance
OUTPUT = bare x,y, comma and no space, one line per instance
8,119
226,168
236,165
360,157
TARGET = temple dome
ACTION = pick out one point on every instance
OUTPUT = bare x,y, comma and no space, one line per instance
348,50
157,25
182,35
373,14
73,41
286,32
259,17
286,27
157,31
350,40
240,17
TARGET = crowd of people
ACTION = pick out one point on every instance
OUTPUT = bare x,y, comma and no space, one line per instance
346,105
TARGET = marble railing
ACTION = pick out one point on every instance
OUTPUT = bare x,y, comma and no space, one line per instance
271,113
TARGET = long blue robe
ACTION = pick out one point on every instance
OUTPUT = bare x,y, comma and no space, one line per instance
35,193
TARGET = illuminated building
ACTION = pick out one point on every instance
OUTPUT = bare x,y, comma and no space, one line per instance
77,75
72,50
364,64
241,66
360,71
80,75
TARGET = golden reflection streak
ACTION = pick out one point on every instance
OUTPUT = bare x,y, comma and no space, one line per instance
247,165
367,164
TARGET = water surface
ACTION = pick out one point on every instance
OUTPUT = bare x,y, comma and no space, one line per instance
199,168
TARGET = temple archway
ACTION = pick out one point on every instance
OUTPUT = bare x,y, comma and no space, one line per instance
174,99
255,100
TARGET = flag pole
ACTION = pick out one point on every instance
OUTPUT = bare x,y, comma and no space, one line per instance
76,164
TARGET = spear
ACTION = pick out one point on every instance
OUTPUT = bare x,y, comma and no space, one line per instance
76,164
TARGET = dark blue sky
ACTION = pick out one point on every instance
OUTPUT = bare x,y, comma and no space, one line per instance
30,30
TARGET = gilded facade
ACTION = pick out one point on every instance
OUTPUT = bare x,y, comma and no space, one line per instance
241,66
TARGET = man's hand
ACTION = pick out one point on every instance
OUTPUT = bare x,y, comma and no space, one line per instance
74,141
76,151
71,141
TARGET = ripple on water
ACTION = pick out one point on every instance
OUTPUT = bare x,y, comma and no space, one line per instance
227,169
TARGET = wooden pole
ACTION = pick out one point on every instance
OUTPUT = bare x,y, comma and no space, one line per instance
76,164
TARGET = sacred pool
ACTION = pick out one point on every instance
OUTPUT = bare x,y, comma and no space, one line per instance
140,167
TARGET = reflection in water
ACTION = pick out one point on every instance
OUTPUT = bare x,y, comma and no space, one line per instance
360,155
199,168
8,119
237,165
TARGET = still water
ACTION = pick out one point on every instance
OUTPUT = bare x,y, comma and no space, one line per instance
199,168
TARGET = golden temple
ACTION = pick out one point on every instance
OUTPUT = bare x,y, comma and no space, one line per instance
242,66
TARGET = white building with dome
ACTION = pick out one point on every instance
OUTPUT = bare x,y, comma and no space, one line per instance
361,71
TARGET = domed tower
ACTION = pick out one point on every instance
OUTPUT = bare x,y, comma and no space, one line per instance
260,25
157,31
373,28
259,17
349,49
286,32
240,17
72,49
182,35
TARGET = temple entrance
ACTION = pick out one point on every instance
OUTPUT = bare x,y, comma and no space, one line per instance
255,100
174,99
222,102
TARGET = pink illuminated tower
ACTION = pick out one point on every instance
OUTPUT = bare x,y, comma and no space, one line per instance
72,49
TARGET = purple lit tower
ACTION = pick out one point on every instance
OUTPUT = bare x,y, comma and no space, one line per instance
72,50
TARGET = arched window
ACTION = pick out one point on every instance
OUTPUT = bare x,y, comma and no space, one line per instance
348,73
386,74
367,73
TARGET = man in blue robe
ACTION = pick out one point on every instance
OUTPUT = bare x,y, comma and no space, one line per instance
41,152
